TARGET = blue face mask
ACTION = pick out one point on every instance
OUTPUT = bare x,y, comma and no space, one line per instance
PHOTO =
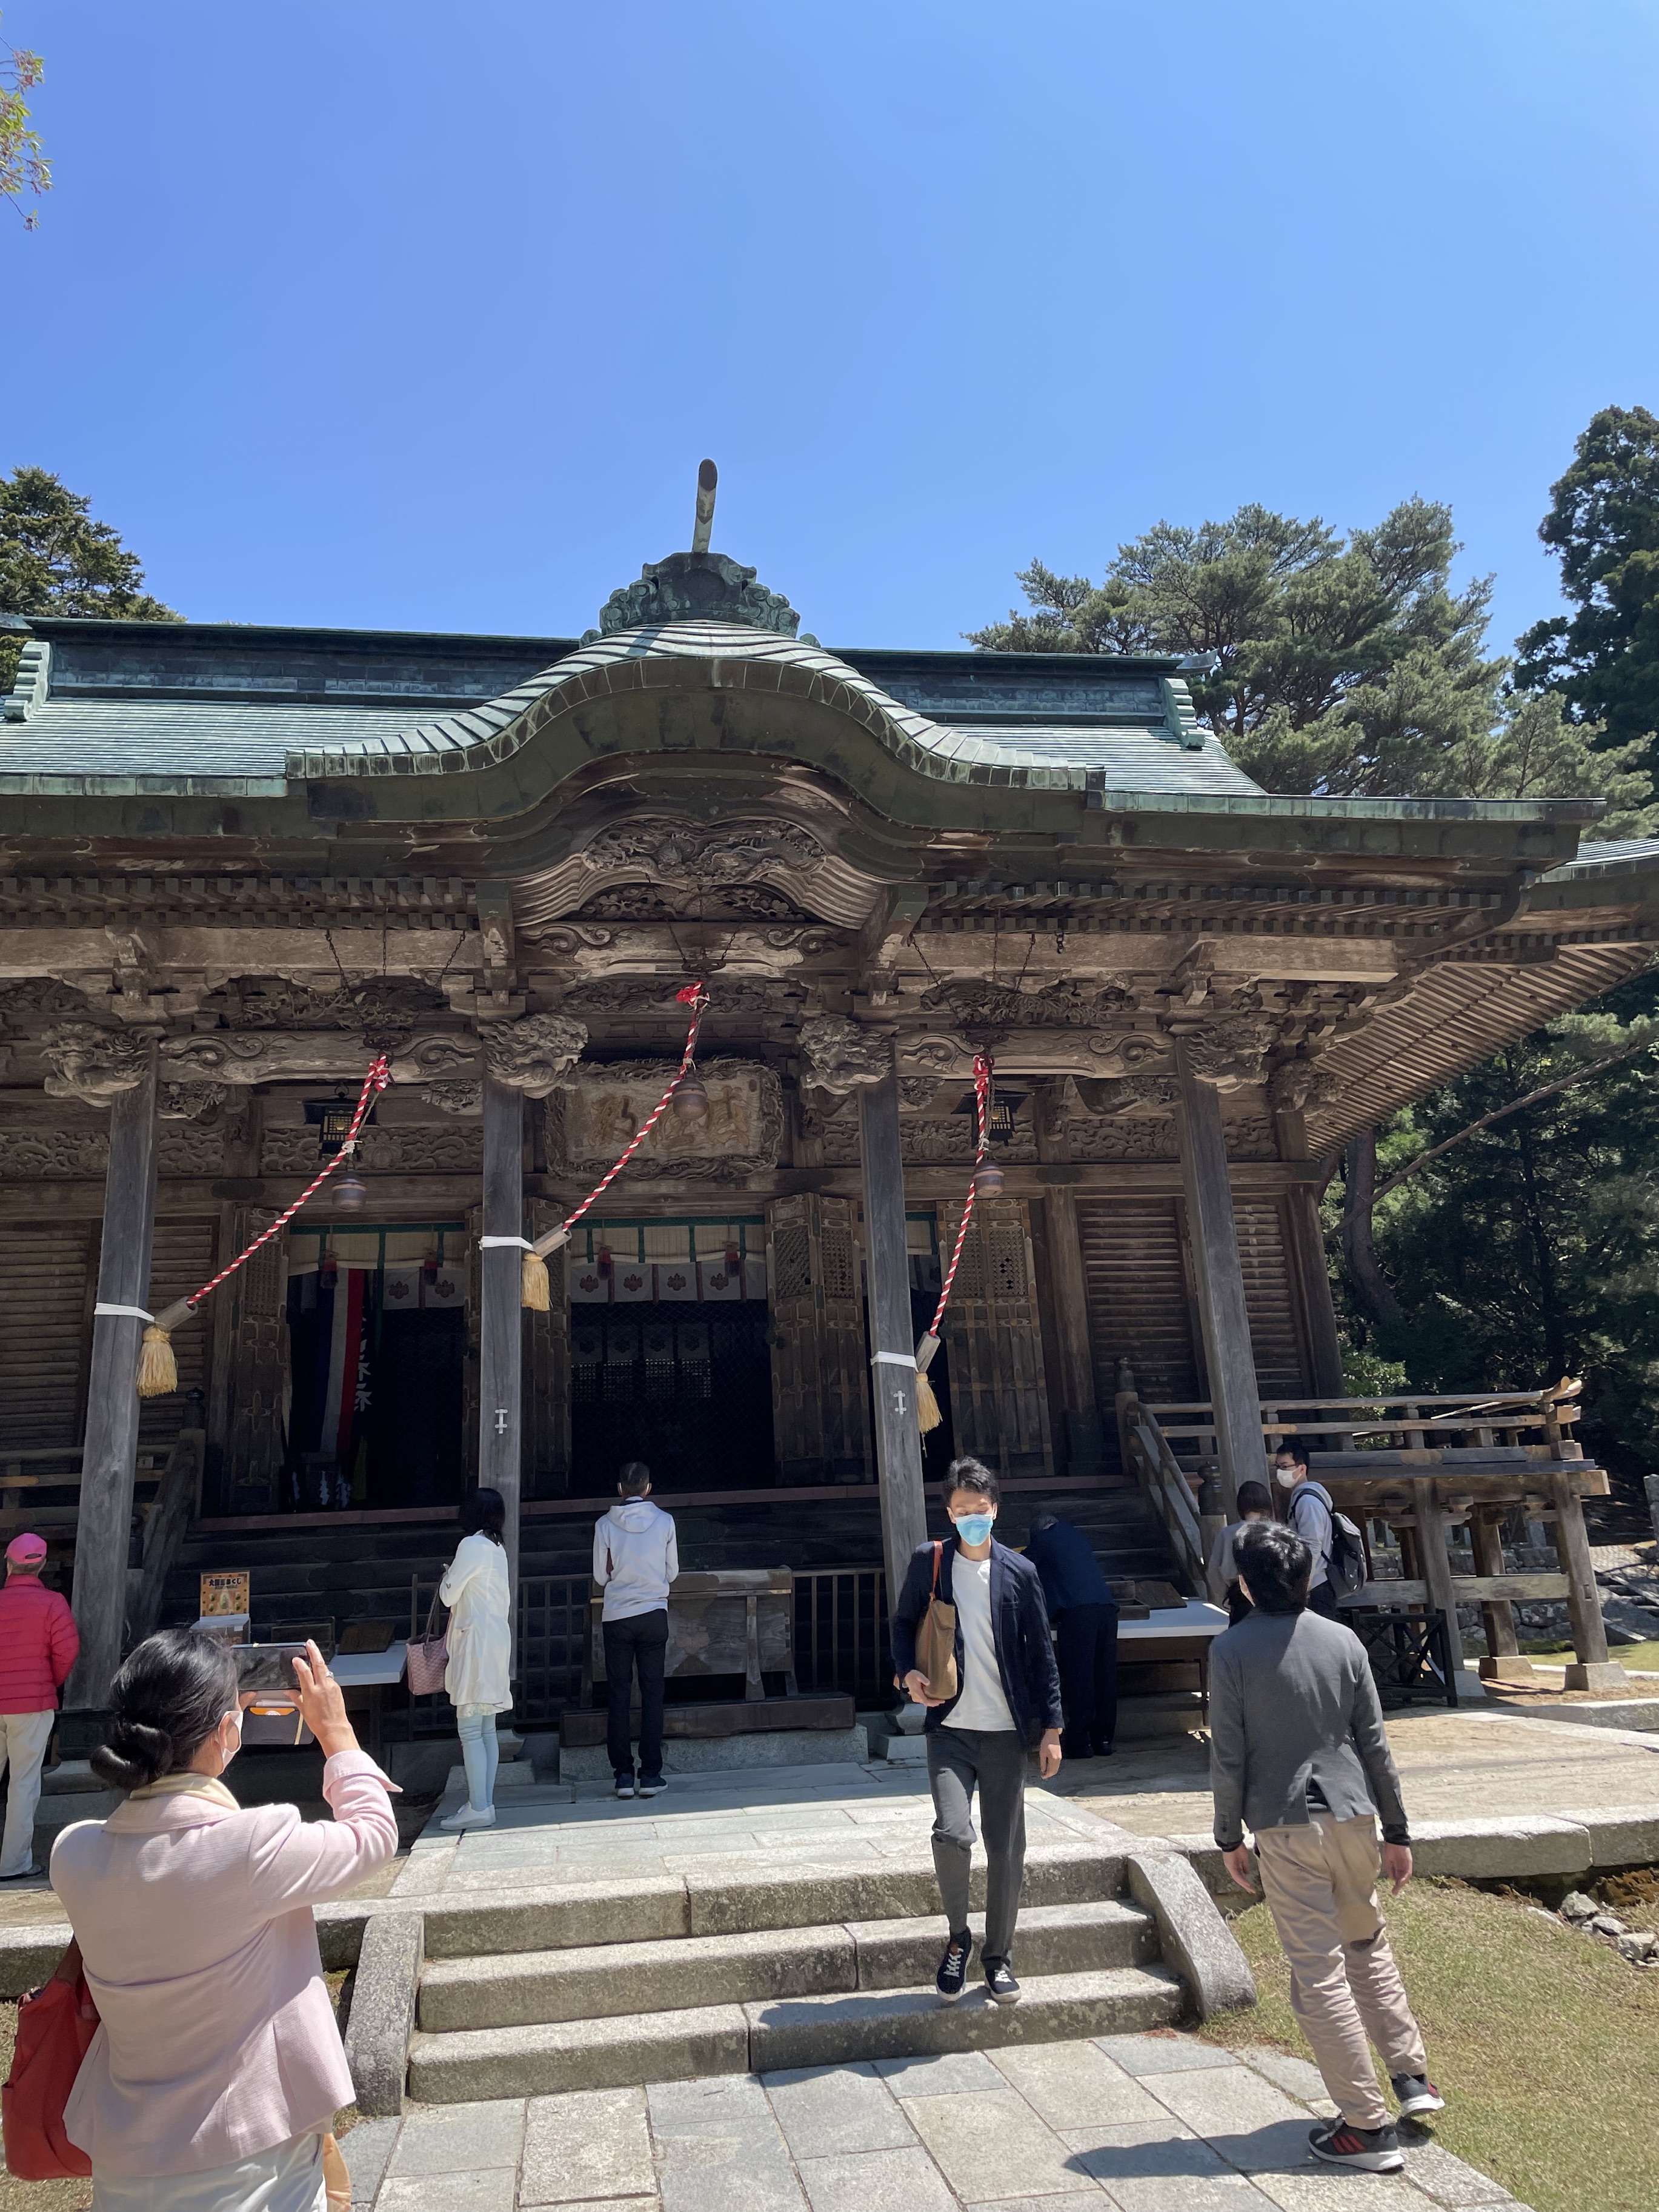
974,1527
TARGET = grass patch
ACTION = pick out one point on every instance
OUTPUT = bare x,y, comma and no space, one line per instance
77,2196
1543,2042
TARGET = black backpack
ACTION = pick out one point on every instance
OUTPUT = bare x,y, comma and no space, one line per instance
1344,1568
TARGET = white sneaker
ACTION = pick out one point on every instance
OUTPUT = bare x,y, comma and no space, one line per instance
470,1816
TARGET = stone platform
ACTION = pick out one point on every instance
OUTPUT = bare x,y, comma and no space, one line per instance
729,1754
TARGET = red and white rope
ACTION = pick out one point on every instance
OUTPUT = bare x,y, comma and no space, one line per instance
982,1116
694,995
378,1076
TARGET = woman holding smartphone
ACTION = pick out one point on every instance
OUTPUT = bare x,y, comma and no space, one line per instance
476,1590
217,2067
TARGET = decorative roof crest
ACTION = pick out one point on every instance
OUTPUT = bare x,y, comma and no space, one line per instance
698,585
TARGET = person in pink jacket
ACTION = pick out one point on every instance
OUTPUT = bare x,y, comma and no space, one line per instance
217,2067
39,1644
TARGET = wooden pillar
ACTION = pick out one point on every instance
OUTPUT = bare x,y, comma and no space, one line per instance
1223,1315
892,1347
1067,1299
500,1334
1594,1670
1318,1307
110,1456
1504,1662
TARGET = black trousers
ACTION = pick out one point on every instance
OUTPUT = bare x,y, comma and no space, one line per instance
1086,1648
641,1641
1321,1598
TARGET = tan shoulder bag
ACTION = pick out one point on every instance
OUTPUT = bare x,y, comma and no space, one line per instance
936,1641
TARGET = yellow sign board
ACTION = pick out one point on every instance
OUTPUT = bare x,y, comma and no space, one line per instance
227,1593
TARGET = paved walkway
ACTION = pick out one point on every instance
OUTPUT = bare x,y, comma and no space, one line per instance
1142,2124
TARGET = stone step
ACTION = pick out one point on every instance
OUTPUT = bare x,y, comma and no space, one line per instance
605,1981
759,2036
736,1897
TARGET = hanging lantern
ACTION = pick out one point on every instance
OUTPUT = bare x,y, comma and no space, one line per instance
328,1271
691,1098
988,1179
331,1119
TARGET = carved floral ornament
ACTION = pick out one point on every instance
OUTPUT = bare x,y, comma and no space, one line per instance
674,848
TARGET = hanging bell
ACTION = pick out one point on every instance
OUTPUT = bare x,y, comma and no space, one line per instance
350,1192
691,1098
988,1179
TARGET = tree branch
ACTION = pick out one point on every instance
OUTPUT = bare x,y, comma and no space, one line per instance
1549,1090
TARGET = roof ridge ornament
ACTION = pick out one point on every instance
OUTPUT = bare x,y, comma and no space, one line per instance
698,585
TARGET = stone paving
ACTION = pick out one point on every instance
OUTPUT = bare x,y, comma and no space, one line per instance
1157,2123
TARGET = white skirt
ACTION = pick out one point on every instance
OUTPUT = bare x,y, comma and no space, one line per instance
288,2179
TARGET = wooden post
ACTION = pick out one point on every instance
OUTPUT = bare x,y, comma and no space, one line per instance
1504,1662
501,1336
1222,1312
1594,1670
892,1347
110,1459
1434,1563
1067,1299
1307,1246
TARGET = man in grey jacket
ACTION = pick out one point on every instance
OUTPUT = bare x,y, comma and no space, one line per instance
636,1556
1298,1755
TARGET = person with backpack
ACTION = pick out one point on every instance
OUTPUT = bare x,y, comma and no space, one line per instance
1299,1757
1338,1551
636,1556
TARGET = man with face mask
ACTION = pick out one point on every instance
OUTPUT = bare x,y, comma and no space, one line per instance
1309,1513
1007,1698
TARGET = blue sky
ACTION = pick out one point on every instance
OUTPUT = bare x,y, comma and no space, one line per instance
422,317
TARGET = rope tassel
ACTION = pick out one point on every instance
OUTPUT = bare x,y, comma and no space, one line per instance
928,1414
158,1369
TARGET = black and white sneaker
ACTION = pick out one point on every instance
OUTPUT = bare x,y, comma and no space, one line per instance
1000,1983
1368,2150
953,1975
625,1785
1416,2094
651,1785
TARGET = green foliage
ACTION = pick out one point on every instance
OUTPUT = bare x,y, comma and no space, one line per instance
23,167
55,560
1531,1250
1366,1373
1604,523
1348,667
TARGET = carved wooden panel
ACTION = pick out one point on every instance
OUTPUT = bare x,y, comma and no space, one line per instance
45,1330
546,1471
820,1388
999,1389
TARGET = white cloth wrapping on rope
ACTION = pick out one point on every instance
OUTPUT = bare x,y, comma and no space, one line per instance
519,1244
124,1313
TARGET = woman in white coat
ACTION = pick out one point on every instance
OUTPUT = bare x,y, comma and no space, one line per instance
476,1590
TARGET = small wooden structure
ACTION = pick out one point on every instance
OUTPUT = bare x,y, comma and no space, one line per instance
1420,1467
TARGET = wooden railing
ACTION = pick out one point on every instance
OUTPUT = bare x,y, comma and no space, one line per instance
1418,1466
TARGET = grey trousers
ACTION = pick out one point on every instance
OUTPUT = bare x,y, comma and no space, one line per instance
996,1760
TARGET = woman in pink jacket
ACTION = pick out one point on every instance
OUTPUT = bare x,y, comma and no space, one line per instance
218,2066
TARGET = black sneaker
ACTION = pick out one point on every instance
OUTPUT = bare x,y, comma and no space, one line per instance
651,1785
1368,2150
953,1975
999,1983
625,1785
1416,2093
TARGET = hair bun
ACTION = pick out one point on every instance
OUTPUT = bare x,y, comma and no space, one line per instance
135,1754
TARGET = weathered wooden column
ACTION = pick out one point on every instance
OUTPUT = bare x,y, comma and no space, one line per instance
1319,1309
1223,1316
1504,1661
110,1456
501,1336
1068,1288
892,1347
1590,1668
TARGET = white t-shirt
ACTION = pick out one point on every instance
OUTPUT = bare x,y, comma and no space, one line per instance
981,1705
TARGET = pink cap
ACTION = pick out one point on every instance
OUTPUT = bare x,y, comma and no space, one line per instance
27,1550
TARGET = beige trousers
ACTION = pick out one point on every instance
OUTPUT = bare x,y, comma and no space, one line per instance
1319,1881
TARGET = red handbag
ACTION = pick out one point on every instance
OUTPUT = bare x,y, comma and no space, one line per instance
55,2026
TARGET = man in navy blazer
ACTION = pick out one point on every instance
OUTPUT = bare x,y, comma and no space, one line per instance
1007,1699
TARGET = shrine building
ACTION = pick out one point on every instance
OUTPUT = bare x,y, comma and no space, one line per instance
237,864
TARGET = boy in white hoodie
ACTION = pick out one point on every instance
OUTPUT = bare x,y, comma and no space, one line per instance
635,1557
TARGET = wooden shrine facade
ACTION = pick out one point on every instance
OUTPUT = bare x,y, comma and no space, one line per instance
235,863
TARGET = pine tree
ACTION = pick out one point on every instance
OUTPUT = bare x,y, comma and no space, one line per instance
55,560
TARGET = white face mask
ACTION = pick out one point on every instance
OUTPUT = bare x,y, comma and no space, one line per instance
1288,1476
236,1742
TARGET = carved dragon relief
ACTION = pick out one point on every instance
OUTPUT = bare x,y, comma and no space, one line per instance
839,1057
595,1111
240,1056
92,1064
534,1053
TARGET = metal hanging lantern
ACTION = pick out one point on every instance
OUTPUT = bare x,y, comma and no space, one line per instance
691,1097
